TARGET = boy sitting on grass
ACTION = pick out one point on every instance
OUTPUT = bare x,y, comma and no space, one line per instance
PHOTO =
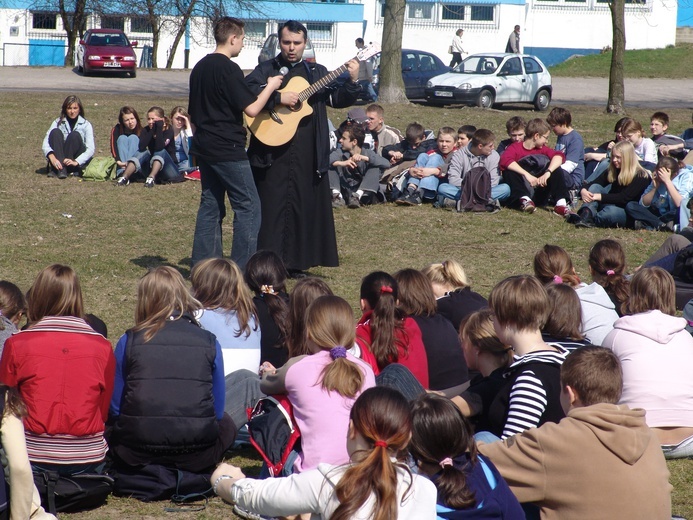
571,144
354,170
601,461
464,135
423,178
667,144
515,126
547,184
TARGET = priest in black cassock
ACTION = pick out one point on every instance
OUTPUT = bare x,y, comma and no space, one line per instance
291,179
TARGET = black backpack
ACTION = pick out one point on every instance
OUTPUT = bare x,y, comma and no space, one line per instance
476,190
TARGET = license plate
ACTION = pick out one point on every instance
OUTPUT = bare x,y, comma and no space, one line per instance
112,64
443,93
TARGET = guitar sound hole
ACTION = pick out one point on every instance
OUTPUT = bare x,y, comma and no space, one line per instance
297,106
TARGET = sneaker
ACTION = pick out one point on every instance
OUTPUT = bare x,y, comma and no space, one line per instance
62,174
244,513
563,211
492,207
585,223
149,183
528,206
337,201
354,202
449,203
641,226
410,200
122,182
573,218
52,174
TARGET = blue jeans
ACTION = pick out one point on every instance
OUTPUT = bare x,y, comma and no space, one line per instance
399,377
126,146
235,179
498,192
649,215
606,215
429,185
169,170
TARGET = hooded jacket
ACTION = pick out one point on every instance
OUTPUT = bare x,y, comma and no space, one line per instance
464,160
598,312
601,461
656,353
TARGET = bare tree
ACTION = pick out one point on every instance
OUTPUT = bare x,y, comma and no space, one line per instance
391,84
73,17
185,11
616,85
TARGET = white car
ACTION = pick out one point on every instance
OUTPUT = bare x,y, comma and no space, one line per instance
491,79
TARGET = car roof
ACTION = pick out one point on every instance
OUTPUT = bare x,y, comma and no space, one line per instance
109,31
501,55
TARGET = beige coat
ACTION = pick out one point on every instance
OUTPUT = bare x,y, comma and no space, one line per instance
601,461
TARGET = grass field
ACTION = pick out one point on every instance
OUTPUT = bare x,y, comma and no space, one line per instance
113,235
672,62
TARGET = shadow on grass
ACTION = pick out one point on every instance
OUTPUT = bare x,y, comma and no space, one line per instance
152,261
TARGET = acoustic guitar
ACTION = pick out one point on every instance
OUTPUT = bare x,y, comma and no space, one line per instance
276,127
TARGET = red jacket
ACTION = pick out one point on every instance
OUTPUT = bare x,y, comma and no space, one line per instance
64,372
415,359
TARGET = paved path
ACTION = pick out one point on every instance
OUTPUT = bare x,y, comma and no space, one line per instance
654,93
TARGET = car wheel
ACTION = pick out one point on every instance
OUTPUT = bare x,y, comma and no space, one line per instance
486,99
133,73
542,100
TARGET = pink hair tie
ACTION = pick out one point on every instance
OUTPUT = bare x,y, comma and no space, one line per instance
385,288
447,461
557,279
610,272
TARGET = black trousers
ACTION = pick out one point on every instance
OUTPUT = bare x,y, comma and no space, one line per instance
554,190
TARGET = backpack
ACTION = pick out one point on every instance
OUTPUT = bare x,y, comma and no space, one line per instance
273,431
63,494
152,482
476,190
100,169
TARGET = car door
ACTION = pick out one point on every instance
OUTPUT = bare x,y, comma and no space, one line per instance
428,68
511,82
411,75
534,73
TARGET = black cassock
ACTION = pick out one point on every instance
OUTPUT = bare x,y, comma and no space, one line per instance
297,221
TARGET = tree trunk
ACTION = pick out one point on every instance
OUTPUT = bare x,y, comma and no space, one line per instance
156,29
391,84
182,25
616,85
73,27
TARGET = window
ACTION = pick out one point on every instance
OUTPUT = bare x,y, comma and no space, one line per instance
44,20
113,22
632,2
532,66
453,12
483,13
419,10
410,61
511,68
140,24
256,31
320,32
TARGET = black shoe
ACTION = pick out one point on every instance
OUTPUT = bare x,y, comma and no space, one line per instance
410,200
354,202
62,174
573,218
585,224
297,274
52,174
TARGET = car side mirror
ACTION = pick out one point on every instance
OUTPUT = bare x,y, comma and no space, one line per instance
81,42
133,44
407,69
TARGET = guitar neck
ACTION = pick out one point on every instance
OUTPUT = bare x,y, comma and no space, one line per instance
322,82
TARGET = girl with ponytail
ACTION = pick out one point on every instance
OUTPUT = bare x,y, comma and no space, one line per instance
385,334
608,268
375,484
323,385
469,485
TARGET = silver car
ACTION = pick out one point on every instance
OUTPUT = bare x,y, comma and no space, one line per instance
486,80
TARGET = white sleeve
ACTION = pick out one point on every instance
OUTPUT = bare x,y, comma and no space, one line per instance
45,146
305,492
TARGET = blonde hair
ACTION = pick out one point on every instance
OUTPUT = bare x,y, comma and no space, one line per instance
552,264
651,288
161,295
630,165
218,284
448,272
520,303
330,324
477,330
55,292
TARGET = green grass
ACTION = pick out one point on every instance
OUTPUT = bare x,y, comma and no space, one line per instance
115,234
669,63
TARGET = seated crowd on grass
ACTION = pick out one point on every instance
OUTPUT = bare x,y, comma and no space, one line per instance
551,398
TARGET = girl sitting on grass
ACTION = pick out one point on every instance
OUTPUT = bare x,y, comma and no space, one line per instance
373,483
125,137
469,485
12,309
608,268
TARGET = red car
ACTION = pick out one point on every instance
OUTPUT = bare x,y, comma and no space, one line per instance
106,50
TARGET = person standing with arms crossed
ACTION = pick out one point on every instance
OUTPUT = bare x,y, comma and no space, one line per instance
291,179
218,99
513,45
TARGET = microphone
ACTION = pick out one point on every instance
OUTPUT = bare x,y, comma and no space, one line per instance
275,117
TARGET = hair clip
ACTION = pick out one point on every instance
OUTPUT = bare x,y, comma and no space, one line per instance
385,289
557,279
447,461
610,272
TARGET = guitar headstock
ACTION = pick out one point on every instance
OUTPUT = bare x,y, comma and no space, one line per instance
368,52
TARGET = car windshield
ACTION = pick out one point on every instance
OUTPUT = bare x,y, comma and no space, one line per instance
108,40
478,65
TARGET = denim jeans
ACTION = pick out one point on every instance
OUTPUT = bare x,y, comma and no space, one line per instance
606,215
682,450
235,179
242,392
429,185
649,215
127,146
399,377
